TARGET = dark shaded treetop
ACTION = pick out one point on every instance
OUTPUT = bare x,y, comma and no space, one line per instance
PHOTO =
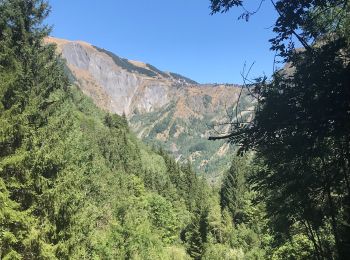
300,19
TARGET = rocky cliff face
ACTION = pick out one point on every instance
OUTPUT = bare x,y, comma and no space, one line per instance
162,107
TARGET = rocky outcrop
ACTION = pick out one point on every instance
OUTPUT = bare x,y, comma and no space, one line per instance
111,86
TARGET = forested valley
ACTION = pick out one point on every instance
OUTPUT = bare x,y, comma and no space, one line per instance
76,182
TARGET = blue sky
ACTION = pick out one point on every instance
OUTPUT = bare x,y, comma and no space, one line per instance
174,35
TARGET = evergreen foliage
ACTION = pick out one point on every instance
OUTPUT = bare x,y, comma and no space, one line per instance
125,64
300,133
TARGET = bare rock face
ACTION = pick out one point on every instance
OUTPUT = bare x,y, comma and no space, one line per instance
161,106
111,86
117,89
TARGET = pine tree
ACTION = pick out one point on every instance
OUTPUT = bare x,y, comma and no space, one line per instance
234,192
32,73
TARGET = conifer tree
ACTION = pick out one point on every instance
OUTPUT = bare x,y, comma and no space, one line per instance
31,72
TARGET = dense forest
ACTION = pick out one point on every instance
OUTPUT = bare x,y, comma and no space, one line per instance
76,183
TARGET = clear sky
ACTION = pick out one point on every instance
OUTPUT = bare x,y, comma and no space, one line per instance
174,35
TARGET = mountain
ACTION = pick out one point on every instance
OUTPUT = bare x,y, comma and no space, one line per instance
163,108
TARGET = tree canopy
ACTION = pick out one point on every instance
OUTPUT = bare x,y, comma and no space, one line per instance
300,130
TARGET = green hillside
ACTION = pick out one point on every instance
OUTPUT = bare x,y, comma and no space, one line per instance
75,183
189,145
186,138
